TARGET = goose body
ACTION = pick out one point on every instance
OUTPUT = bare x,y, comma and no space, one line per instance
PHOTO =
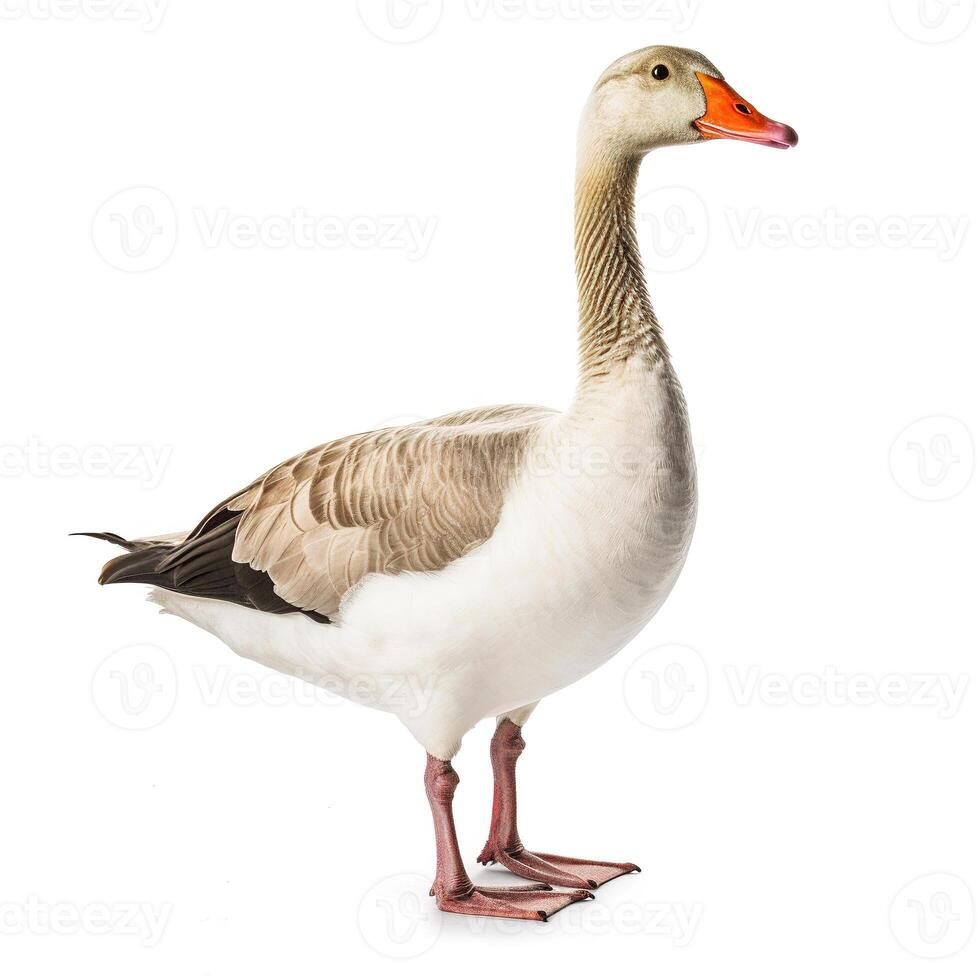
592,533
478,562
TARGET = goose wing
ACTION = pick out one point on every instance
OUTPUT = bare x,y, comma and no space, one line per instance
410,498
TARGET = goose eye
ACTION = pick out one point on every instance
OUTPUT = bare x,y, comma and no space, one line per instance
660,72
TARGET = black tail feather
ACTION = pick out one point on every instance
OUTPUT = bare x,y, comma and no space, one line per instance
137,566
199,565
110,537
140,565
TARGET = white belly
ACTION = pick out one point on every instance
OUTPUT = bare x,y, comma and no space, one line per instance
590,541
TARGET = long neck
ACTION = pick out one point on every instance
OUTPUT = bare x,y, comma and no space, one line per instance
616,319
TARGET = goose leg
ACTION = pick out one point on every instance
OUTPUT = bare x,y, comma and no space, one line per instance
504,845
453,889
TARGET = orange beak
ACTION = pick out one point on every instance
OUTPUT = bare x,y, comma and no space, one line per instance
729,116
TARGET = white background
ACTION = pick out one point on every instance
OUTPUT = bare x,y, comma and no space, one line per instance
804,833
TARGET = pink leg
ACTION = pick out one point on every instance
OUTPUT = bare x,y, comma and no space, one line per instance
453,889
504,845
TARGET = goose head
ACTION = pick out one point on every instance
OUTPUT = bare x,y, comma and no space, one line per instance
665,96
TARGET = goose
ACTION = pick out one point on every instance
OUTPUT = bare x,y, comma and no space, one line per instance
492,556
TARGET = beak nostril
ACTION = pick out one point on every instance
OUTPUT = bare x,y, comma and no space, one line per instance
742,107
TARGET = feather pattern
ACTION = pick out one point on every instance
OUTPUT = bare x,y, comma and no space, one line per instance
410,498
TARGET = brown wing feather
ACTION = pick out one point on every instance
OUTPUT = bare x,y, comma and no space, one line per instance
412,498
